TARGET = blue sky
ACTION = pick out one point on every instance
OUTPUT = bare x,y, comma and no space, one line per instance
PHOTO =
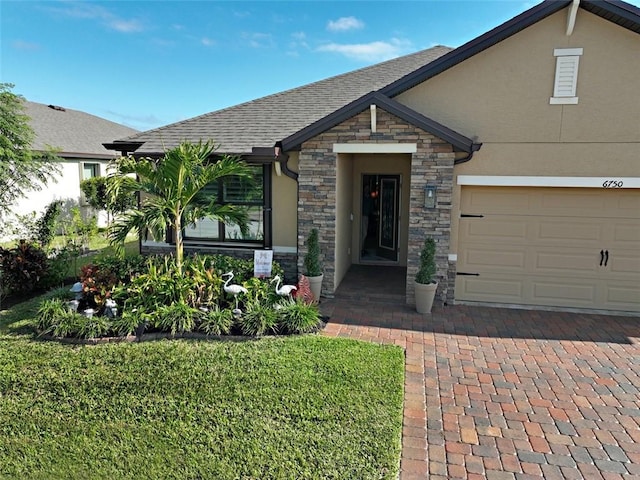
150,63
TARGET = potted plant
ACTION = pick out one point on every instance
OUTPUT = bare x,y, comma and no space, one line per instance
312,264
425,285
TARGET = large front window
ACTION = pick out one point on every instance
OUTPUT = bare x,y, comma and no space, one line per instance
234,191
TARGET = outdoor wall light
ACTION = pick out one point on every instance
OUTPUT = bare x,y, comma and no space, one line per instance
430,196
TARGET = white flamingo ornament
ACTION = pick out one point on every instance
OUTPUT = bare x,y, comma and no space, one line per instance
234,290
285,290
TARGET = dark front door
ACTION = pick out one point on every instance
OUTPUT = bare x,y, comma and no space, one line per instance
380,218
389,208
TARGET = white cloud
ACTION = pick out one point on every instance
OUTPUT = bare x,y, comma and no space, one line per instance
370,52
125,26
345,23
299,35
207,42
259,40
96,12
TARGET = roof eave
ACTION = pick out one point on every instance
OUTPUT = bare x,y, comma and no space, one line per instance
621,13
474,46
123,146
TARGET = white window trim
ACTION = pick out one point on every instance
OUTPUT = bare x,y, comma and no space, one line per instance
564,55
531,181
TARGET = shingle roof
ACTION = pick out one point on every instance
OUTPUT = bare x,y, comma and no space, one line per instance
74,133
263,122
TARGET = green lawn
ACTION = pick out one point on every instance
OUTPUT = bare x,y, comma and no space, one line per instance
300,407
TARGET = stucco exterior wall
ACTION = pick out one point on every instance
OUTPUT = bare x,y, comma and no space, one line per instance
64,186
501,98
501,95
284,198
344,214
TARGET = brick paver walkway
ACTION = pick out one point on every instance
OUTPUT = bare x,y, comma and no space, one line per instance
508,394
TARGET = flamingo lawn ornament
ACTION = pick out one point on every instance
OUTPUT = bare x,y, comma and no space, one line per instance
285,290
234,290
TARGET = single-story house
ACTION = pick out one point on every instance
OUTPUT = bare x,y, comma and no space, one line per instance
77,138
518,152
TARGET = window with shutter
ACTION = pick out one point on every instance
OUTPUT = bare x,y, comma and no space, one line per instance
566,80
234,191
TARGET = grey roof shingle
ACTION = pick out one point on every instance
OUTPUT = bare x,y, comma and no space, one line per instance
264,121
74,133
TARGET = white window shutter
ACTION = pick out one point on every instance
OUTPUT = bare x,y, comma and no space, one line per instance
566,76
566,80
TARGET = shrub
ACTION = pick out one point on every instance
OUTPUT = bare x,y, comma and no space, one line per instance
97,284
45,228
69,324
176,318
258,319
296,316
22,267
127,323
49,312
59,265
427,269
123,268
312,264
216,321
93,327
207,284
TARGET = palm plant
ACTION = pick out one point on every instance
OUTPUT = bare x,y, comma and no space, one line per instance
172,190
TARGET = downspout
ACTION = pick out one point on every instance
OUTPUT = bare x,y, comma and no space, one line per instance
474,148
283,159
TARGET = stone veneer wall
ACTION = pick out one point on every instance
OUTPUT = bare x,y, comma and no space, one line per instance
288,261
432,164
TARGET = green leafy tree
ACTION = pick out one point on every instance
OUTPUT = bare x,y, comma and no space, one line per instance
97,196
172,193
21,169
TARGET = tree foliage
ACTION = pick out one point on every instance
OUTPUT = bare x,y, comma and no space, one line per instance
21,169
172,190
96,193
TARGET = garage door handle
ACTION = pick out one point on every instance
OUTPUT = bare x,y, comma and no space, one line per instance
601,257
606,257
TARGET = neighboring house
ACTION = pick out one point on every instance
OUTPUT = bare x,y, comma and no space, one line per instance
517,152
77,138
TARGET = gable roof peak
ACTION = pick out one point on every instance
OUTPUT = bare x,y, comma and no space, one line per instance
616,11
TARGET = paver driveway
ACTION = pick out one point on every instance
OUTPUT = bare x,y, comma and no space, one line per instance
508,394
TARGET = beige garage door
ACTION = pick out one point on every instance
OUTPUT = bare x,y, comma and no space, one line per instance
561,247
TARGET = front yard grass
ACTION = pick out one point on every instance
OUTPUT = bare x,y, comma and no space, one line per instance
293,408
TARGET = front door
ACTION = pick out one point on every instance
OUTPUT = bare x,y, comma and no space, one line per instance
381,207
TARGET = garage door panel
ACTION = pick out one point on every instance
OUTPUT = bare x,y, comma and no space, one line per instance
541,246
564,293
622,296
560,202
626,234
626,203
559,262
480,259
501,289
497,201
625,265
567,229
487,230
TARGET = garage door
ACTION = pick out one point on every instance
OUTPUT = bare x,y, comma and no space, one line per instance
560,247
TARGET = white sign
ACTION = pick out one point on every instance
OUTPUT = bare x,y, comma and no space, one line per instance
262,263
